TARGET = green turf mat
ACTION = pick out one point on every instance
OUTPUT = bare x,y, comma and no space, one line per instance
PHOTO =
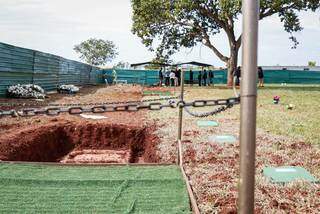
92,189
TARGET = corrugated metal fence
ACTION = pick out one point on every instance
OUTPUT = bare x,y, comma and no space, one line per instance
150,77
20,65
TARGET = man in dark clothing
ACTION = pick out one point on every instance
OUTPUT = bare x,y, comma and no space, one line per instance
160,77
199,78
205,76
191,77
237,74
211,76
179,77
167,77
260,76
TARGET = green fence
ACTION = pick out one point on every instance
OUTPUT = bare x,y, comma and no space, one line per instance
150,77
20,65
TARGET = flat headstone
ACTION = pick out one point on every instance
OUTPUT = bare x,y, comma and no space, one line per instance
205,123
287,174
222,139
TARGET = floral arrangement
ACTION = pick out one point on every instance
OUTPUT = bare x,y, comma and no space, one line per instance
26,91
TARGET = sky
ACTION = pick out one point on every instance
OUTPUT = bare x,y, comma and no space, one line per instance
56,26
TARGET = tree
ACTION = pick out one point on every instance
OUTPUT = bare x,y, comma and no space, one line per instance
312,64
185,23
160,60
97,51
122,65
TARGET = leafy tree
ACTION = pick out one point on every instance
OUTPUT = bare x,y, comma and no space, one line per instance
97,51
162,60
312,64
185,23
122,65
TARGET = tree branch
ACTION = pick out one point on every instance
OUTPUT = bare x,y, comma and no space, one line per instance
214,49
239,42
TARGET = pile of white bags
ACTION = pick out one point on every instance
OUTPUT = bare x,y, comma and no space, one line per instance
26,91
69,89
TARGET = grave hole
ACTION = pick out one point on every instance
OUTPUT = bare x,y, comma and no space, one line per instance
85,143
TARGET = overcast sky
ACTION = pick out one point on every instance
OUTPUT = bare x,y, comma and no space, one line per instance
55,26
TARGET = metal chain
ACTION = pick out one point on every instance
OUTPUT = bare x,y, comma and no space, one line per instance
207,114
85,104
153,106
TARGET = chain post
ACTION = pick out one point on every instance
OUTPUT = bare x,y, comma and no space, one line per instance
180,118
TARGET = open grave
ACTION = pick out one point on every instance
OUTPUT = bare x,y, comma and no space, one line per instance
68,142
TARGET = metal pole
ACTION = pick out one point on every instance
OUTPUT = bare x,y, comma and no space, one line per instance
250,11
180,121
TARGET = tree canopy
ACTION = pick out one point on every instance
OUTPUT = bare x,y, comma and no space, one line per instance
97,51
167,25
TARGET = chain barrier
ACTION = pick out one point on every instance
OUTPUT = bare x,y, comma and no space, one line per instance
85,104
153,106
207,114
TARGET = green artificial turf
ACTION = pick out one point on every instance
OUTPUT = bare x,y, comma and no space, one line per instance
92,189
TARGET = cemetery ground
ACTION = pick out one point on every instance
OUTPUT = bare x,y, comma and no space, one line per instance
284,138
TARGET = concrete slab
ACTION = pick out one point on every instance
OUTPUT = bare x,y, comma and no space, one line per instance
222,139
206,123
287,174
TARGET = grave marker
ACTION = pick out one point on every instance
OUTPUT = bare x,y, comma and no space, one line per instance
287,174
222,139
205,123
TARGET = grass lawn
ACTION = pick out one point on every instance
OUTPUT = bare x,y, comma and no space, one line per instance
302,122
100,189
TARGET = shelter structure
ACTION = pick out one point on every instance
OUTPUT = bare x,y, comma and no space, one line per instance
200,64
150,63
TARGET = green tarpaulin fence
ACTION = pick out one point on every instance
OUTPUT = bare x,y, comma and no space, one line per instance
20,65
150,77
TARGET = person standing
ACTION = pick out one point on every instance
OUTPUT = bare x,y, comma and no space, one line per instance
260,76
179,77
211,76
205,76
160,77
199,78
191,77
237,74
167,77
172,78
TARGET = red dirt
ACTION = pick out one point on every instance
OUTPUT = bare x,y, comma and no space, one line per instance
50,143
97,156
44,138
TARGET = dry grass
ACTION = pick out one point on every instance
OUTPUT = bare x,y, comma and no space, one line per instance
213,169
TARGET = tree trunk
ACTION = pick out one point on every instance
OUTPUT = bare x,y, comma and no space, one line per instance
232,66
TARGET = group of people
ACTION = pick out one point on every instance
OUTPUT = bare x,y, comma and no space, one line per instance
237,75
173,77
170,78
204,78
